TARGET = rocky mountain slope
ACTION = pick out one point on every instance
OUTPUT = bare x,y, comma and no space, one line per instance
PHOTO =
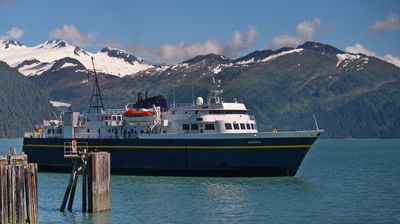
351,95
22,103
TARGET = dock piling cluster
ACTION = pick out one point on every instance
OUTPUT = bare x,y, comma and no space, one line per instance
95,170
18,189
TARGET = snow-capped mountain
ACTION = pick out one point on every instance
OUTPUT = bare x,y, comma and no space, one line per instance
33,61
347,92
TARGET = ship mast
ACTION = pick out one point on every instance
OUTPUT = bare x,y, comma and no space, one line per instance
96,102
215,92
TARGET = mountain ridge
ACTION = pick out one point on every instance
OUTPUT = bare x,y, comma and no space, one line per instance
352,95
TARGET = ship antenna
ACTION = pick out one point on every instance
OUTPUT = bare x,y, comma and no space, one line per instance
315,121
97,103
215,92
192,95
173,97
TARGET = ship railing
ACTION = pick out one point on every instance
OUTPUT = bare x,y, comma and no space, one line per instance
74,148
95,136
86,135
179,105
114,111
33,135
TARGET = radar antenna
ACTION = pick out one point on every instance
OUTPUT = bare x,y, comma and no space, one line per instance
96,102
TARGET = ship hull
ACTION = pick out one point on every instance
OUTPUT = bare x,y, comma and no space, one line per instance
182,157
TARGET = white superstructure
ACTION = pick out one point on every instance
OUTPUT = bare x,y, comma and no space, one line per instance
214,117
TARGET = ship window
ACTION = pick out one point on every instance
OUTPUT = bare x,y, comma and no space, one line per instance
199,119
48,131
194,127
252,126
248,126
209,127
236,126
113,118
242,126
88,130
119,118
185,127
228,126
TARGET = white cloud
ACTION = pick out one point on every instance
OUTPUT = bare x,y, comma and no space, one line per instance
359,48
173,53
391,22
71,33
392,59
240,42
305,32
15,34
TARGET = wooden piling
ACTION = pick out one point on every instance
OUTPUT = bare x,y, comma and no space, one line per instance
31,193
84,188
18,185
99,181
95,170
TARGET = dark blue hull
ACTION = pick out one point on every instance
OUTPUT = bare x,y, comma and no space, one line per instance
182,157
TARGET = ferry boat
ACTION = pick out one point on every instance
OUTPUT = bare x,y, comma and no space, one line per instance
151,137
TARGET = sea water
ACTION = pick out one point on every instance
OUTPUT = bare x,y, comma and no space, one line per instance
340,181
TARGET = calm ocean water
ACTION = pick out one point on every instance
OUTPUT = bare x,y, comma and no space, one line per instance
340,181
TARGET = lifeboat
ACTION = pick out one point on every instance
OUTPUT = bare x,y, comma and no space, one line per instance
139,115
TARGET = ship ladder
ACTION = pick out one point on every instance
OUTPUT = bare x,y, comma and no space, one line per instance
157,121
74,149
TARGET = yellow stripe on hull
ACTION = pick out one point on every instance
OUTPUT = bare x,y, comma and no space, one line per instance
177,147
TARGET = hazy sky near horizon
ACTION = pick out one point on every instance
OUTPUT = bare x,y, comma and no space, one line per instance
175,30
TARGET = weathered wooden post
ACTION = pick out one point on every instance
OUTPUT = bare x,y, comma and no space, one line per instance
95,170
99,181
18,184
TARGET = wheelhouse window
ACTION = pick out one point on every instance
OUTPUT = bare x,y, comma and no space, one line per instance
252,126
248,126
227,111
228,126
194,127
242,126
236,126
210,126
185,127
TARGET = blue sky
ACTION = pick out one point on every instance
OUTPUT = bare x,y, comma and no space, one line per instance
170,31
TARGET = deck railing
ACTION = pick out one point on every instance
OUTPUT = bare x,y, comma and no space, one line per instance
74,148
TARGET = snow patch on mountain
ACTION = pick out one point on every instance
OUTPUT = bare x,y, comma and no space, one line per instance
220,67
35,68
245,62
60,104
343,57
275,56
